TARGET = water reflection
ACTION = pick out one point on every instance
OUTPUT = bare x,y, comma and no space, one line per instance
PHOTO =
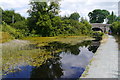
70,63
94,46
52,69
73,49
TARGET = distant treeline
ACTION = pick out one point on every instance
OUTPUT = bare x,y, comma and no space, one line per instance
44,20
98,16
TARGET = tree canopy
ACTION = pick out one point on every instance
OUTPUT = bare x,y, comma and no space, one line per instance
115,27
98,15
111,18
9,16
45,21
75,16
41,15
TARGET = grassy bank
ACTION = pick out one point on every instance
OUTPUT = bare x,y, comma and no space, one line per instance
4,37
41,41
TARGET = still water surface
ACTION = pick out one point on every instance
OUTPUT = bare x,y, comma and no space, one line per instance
69,63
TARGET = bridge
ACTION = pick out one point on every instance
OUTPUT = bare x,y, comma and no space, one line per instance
100,27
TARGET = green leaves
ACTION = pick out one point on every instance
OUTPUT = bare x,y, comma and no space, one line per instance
98,16
115,27
111,18
75,16
9,16
44,21
41,16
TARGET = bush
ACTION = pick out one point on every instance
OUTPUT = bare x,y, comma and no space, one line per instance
12,31
115,27
20,25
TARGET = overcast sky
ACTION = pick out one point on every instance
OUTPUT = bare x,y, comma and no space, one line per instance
83,7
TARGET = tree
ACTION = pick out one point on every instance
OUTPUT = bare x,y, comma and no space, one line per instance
111,18
98,16
1,15
75,16
118,18
9,15
115,27
44,21
41,15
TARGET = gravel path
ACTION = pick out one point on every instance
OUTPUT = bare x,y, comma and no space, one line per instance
105,61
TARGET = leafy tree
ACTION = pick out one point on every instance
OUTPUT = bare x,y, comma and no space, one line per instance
44,21
111,18
75,16
41,15
98,16
0,15
115,27
118,18
8,15
21,26
56,26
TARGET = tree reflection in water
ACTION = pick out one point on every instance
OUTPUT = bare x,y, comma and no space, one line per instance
53,68
69,63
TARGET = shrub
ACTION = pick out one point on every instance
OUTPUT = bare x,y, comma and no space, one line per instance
12,31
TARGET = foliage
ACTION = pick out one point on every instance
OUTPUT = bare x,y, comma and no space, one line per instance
75,16
118,18
98,16
21,26
9,16
12,31
115,27
111,18
44,21
40,18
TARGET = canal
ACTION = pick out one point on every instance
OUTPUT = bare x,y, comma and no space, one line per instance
69,63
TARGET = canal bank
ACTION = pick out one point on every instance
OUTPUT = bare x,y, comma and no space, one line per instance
105,61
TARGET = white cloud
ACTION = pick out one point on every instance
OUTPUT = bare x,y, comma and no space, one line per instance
85,6
67,6
20,6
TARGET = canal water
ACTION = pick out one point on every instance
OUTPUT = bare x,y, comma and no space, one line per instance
70,63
